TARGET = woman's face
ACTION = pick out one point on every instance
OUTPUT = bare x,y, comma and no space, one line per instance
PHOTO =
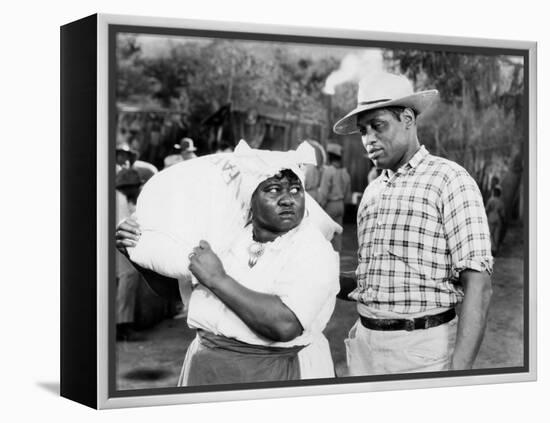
278,204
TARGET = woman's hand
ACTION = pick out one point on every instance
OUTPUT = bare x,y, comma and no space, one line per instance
206,265
127,235
265,314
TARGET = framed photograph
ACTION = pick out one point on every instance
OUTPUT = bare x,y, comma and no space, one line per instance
173,131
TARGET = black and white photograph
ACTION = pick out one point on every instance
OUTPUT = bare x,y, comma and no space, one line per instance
262,212
312,210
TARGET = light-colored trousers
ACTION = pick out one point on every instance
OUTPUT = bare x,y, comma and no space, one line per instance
372,352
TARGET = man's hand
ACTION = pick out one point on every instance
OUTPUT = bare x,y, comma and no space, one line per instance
348,282
206,265
127,235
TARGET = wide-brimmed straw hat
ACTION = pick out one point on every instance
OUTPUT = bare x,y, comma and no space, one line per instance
187,144
385,90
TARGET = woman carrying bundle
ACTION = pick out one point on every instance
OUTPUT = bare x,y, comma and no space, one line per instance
260,306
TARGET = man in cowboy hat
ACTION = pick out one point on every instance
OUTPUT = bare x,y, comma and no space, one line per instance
424,244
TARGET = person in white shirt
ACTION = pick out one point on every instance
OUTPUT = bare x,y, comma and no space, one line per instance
260,307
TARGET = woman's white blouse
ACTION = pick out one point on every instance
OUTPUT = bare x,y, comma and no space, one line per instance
300,267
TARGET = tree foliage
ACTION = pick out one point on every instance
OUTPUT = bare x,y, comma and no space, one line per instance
479,120
199,77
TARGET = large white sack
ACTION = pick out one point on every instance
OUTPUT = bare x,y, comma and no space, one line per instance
198,199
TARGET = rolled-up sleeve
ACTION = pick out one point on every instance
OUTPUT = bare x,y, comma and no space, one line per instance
465,225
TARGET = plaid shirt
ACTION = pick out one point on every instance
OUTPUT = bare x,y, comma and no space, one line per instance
418,228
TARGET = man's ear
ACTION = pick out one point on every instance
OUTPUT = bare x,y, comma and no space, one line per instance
408,117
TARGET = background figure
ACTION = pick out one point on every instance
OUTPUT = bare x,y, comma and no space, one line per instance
128,185
188,149
335,189
127,157
185,150
314,171
495,216
172,130
173,157
313,180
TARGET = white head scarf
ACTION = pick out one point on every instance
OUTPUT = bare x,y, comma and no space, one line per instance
258,165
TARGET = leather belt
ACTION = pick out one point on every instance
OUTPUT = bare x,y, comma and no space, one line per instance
423,322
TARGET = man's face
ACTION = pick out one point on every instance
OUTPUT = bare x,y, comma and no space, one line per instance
386,139
278,204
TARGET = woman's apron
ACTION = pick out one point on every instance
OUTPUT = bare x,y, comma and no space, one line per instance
214,360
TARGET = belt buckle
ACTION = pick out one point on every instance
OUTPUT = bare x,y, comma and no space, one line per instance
409,325
426,323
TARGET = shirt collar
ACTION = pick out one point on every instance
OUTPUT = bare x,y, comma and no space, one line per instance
414,161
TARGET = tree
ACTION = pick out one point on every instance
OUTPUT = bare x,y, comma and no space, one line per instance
479,122
131,81
197,78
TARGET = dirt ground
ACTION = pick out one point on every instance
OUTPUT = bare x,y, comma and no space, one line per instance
156,361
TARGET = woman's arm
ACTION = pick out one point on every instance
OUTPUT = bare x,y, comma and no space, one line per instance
265,314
